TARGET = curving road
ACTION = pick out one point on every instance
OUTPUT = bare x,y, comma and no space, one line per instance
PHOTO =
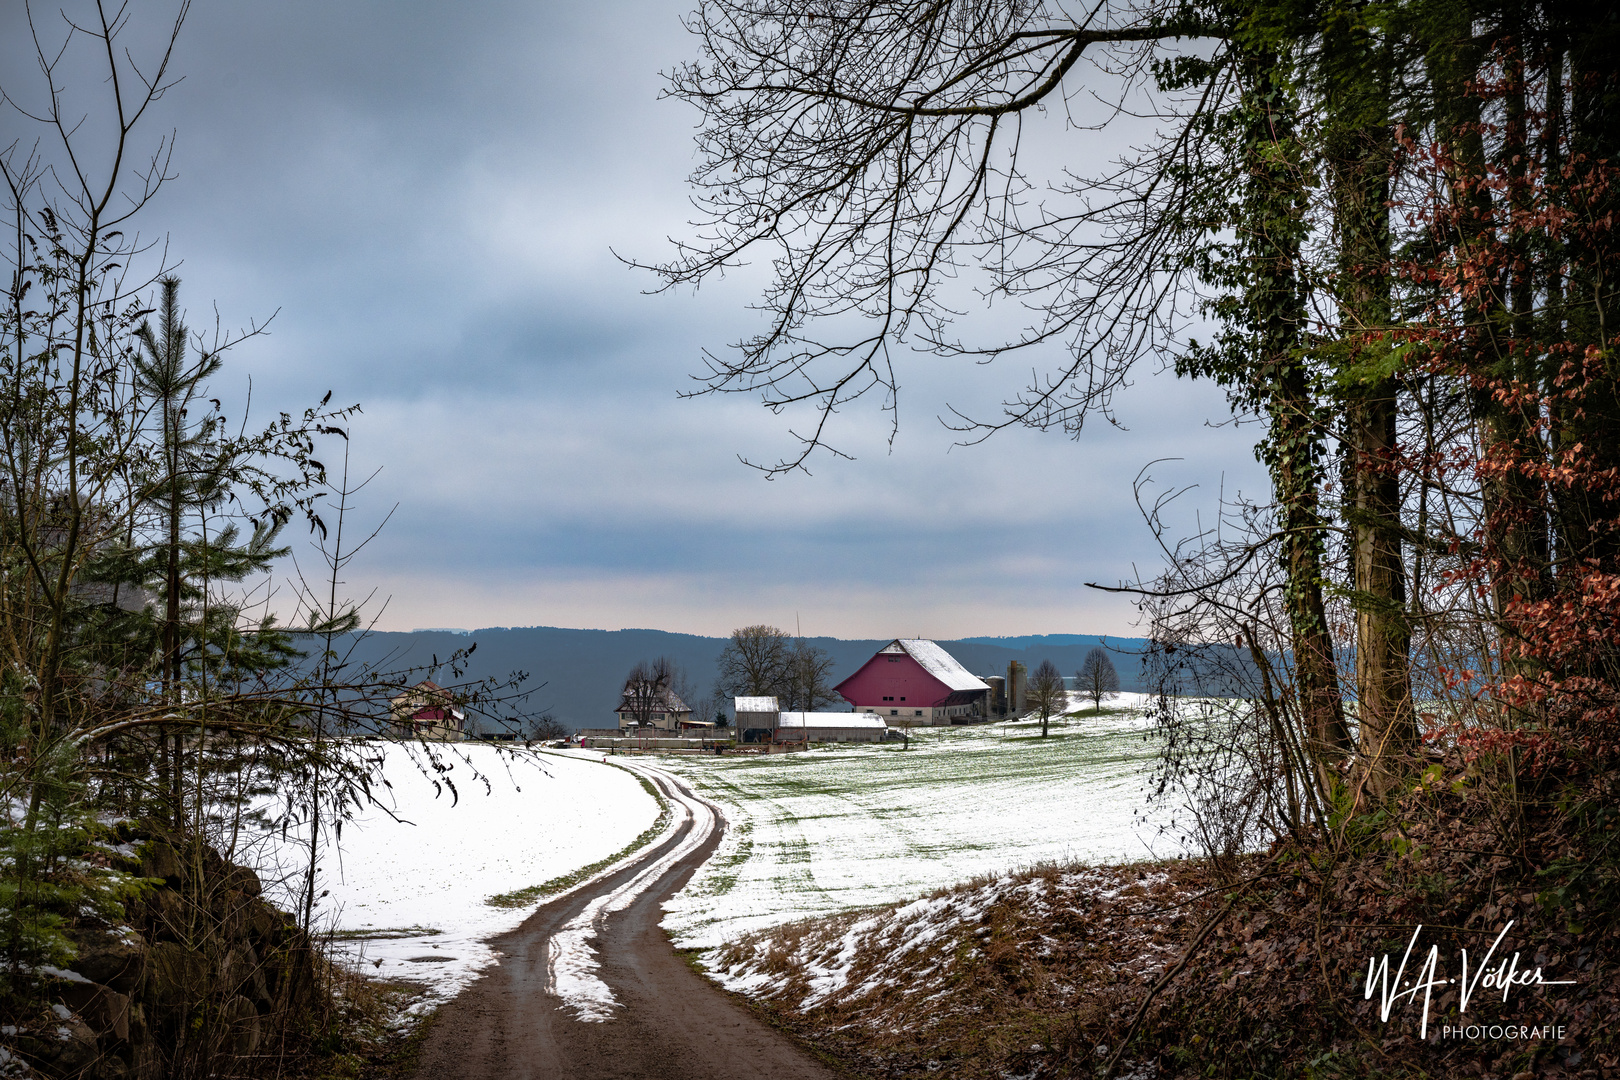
588,987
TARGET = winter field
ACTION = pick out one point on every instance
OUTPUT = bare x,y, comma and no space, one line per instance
828,830
808,833
409,898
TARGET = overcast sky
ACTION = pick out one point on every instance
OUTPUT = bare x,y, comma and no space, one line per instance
426,195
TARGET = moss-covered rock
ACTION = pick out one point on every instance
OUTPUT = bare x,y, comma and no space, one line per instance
204,975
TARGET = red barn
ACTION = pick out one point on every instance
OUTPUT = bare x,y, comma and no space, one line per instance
915,683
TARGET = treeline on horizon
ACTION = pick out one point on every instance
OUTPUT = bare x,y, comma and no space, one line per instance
577,675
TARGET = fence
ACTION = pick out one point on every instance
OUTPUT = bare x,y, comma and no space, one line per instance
605,742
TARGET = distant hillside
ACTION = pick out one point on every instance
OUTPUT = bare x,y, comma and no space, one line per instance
576,674
1036,641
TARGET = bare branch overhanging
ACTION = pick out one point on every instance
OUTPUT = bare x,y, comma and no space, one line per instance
875,152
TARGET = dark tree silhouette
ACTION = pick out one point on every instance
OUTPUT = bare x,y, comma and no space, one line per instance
1097,678
648,690
1045,693
753,663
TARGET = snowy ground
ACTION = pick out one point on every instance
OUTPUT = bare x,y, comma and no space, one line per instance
408,898
808,833
827,830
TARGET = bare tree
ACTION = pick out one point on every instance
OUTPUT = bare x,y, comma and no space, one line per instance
1045,694
1097,678
807,679
546,728
752,665
647,690
875,149
682,686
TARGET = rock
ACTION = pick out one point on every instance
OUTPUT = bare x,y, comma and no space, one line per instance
150,994
106,1011
235,969
176,976
146,1061
117,962
137,1024
265,926
160,860
258,987
243,880
232,911
165,913
240,1020
291,975
65,1049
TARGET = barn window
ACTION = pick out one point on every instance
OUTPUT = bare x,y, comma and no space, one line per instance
919,712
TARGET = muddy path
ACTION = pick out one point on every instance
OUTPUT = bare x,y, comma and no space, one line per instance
588,988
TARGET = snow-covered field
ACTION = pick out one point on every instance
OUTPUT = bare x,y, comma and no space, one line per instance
808,833
408,897
827,830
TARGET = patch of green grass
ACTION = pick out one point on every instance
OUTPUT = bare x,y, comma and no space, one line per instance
521,898
383,933
726,868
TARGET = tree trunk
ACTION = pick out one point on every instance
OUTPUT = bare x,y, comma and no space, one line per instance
1515,530
1359,150
1274,222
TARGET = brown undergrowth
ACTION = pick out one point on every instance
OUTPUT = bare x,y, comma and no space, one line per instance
983,980
1039,973
368,1033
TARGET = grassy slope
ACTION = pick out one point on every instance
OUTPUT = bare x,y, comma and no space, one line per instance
829,830
1038,973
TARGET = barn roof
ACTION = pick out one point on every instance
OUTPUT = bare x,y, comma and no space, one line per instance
937,662
755,704
862,720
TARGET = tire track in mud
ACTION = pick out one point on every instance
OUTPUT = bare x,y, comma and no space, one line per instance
538,1014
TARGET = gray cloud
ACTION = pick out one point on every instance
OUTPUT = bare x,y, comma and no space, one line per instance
429,194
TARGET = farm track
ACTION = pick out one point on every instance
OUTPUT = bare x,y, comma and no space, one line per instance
670,1023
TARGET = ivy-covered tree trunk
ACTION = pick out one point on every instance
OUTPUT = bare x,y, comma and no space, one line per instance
1273,230
1358,148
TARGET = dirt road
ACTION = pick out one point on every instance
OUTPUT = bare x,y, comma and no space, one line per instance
588,987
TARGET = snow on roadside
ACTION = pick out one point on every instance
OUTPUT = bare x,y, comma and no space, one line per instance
408,897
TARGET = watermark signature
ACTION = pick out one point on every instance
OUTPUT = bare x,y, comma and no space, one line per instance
1504,976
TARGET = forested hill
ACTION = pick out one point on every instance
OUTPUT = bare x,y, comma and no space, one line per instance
582,670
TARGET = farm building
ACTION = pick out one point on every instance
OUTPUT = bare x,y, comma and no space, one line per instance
813,727
755,718
427,711
658,707
912,682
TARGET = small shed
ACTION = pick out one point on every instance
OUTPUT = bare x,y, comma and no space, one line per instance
756,718
810,727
